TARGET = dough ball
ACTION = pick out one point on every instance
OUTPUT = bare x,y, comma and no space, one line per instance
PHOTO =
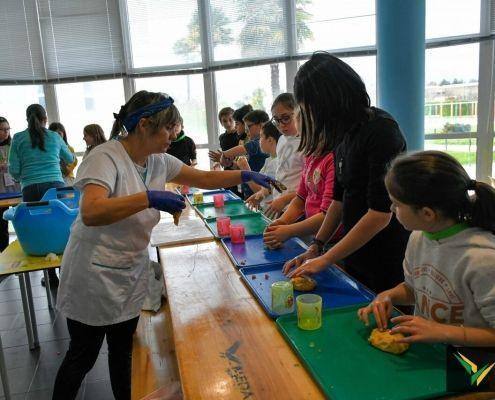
303,283
387,341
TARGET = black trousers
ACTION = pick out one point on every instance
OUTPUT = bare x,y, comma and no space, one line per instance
85,344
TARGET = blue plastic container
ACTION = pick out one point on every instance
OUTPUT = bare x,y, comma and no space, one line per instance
67,195
42,227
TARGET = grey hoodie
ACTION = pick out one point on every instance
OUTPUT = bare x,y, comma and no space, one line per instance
453,278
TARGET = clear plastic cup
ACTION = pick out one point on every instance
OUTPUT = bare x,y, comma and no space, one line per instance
282,297
237,234
223,226
198,198
309,311
218,200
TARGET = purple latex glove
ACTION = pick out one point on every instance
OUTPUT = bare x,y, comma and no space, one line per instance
256,177
165,201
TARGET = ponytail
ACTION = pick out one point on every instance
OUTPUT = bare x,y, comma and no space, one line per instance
437,180
483,206
36,117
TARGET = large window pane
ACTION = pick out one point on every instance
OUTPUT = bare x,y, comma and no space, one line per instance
14,101
86,103
248,29
366,68
334,24
452,17
164,32
203,159
451,89
257,86
188,94
464,150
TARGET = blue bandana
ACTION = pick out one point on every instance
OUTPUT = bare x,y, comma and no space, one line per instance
131,121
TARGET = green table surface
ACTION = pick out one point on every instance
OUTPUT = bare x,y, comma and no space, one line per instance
347,367
232,208
254,224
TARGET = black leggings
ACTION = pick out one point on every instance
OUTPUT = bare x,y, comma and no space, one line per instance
85,344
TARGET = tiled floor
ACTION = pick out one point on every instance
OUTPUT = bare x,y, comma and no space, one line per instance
32,373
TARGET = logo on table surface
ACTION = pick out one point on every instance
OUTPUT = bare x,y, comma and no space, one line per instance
476,375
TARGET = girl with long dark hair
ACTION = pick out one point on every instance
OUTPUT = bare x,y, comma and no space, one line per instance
337,116
449,266
34,160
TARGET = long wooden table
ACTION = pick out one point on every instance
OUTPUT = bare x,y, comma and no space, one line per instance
226,346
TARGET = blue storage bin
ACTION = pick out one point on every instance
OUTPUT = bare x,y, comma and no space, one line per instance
42,227
68,195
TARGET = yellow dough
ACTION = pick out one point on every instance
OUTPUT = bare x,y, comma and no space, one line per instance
176,217
386,341
303,283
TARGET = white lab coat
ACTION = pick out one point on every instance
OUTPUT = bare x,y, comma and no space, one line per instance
104,273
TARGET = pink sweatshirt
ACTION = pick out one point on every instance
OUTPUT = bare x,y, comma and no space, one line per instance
316,184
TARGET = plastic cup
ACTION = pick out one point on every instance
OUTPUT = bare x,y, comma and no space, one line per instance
198,198
308,311
237,234
184,189
223,226
282,297
218,200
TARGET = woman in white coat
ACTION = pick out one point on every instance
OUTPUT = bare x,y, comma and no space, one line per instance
104,270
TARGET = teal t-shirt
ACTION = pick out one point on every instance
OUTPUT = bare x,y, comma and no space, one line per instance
30,165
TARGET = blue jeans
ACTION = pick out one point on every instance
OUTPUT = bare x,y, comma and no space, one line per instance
36,191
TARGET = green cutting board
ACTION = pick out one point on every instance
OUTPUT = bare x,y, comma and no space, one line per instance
231,208
254,224
347,367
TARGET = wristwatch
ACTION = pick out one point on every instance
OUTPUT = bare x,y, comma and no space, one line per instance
319,244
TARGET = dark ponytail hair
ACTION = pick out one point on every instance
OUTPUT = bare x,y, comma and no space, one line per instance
333,101
36,118
168,116
58,127
437,180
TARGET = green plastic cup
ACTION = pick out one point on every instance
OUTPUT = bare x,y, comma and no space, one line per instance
282,297
308,311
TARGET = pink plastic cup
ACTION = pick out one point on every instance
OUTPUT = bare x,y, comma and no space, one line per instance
223,226
237,234
218,200
184,189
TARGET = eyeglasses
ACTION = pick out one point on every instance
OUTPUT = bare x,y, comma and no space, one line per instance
248,126
283,120
7,130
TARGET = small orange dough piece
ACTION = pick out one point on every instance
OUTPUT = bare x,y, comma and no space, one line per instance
176,216
386,341
303,283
